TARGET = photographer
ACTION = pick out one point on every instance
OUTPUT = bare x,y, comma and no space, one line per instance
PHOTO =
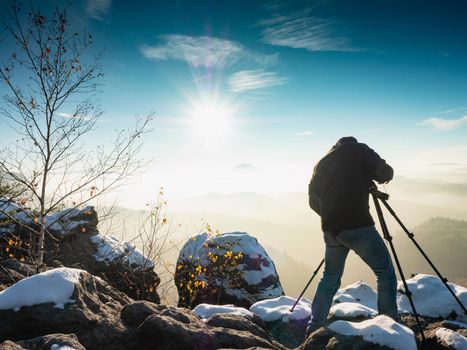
339,193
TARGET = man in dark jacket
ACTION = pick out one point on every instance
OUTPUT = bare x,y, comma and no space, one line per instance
339,193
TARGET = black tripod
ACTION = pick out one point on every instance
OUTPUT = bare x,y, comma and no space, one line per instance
378,197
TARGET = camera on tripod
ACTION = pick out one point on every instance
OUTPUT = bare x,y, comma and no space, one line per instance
374,191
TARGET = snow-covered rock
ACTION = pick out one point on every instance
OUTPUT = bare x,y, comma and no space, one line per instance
228,268
110,249
53,286
451,338
432,298
279,309
380,330
349,310
61,222
89,308
287,327
358,292
205,311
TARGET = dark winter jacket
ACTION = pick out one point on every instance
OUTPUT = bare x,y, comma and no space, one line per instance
339,188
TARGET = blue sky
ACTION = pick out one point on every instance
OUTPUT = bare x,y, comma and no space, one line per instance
280,82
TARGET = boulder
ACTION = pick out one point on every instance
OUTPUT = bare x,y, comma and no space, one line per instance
325,339
64,300
227,268
446,335
73,240
382,332
287,327
179,328
47,342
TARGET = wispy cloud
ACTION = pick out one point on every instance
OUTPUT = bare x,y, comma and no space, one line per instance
445,124
253,79
302,30
97,9
203,51
305,133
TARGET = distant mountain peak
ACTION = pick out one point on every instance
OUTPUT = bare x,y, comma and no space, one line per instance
245,167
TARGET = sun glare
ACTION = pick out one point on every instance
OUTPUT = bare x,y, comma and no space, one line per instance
211,121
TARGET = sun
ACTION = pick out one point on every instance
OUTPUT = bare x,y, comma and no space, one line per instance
211,120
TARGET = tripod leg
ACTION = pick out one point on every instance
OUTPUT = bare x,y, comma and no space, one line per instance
412,238
307,285
408,293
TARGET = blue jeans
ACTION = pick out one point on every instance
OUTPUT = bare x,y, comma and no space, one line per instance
369,245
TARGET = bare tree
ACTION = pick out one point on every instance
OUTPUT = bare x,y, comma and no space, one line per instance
53,80
156,237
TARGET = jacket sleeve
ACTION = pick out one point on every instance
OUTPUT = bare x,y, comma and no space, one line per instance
375,167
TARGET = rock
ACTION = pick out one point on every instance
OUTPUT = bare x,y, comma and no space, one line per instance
446,335
94,316
288,328
82,251
51,341
13,270
178,328
325,339
73,240
228,268
252,324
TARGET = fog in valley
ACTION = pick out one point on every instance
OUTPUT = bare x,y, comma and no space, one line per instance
283,223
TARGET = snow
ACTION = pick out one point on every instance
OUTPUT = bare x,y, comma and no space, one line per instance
205,311
61,347
61,221
110,248
7,207
197,248
352,310
431,297
52,286
358,292
279,308
381,330
451,338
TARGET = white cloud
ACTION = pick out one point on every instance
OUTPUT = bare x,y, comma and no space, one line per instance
97,9
445,124
253,79
203,51
301,30
305,133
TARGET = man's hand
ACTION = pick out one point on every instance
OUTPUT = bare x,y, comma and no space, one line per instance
384,172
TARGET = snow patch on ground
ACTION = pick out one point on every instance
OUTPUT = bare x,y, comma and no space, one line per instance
380,330
451,338
352,310
431,297
204,311
52,286
279,308
110,248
